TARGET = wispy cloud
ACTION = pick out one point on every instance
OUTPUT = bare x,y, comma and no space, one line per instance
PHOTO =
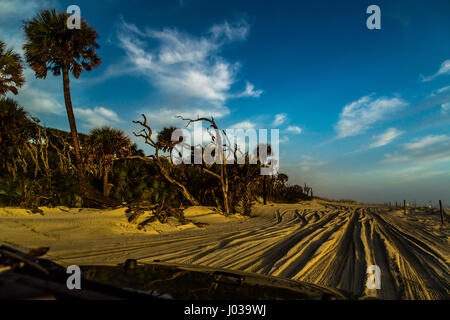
187,68
424,175
445,108
428,149
37,101
444,69
230,32
35,97
385,138
412,173
284,140
359,116
96,117
243,125
250,91
294,129
167,116
279,119
426,142
18,8
444,89
309,162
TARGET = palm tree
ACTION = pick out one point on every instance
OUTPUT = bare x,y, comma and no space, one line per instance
51,46
104,145
11,70
165,139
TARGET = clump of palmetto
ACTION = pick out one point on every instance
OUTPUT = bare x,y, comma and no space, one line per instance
11,70
104,146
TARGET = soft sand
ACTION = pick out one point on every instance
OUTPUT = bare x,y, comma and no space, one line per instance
320,242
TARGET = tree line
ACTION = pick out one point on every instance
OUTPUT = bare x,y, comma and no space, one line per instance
45,166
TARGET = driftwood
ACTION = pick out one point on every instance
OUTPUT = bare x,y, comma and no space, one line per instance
158,212
35,209
95,199
137,209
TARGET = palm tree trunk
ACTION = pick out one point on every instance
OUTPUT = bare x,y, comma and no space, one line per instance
73,131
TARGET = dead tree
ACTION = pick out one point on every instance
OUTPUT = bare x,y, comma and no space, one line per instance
220,159
146,133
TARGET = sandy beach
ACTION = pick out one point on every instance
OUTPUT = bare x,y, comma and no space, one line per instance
320,242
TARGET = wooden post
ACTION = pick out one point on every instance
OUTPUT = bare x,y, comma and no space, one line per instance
404,207
442,211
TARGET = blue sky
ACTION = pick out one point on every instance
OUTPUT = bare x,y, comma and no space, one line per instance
363,114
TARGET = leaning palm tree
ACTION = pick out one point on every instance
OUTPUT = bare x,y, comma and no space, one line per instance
104,145
11,70
51,46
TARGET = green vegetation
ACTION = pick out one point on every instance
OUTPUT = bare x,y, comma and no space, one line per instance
11,70
44,166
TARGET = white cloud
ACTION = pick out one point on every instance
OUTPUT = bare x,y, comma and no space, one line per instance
423,175
444,69
97,117
238,31
313,163
411,173
284,140
426,142
294,129
309,162
38,101
250,91
187,70
428,149
168,116
358,116
439,91
279,119
10,9
447,88
243,125
386,138
445,108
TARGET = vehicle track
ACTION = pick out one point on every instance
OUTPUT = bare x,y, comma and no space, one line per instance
331,246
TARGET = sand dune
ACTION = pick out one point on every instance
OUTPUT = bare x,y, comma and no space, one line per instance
324,243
